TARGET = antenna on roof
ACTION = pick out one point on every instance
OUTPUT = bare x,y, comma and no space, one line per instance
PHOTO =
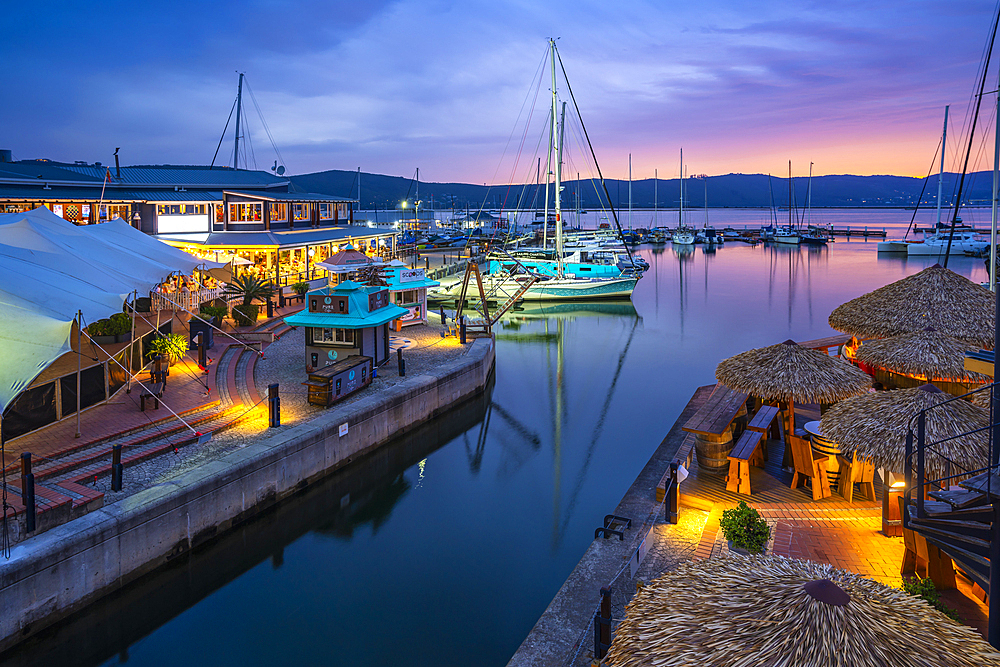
118,167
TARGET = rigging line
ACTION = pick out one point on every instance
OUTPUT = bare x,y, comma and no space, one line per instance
139,382
614,213
922,190
248,142
223,134
972,132
598,428
267,130
527,125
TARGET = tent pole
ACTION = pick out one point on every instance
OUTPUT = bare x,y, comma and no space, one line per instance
79,363
128,385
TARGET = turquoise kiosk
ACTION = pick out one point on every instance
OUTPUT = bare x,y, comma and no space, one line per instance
408,288
346,319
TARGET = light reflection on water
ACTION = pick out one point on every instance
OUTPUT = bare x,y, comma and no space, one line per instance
450,557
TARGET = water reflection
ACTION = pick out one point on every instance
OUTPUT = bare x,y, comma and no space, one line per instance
363,494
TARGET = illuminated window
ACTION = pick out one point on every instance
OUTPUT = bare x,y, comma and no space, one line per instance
279,211
245,212
300,211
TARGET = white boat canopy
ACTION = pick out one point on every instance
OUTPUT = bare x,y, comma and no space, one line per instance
51,268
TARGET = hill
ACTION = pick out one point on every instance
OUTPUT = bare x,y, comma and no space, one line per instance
729,190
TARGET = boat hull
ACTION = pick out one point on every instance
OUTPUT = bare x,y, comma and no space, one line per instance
957,248
893,246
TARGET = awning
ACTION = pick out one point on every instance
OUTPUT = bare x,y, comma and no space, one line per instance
51,268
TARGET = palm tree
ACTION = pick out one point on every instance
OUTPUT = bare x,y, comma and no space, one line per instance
249,289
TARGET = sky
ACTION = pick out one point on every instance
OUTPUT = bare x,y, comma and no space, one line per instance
850,86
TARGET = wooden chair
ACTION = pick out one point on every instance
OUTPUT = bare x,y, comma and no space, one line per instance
809,465
856,471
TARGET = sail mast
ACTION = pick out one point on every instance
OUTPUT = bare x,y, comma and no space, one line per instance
556,144
680,211
239,111
944,138
656,176
996,190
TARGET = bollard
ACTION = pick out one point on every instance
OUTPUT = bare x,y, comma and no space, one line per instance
116,468
673,497
281,299
202,355
399,360
461,330
602,625
270,309
28,491
428,265
444,319
273,406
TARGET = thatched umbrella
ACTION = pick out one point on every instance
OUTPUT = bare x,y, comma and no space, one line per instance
789,372
929,354
768,610
875,425
935,297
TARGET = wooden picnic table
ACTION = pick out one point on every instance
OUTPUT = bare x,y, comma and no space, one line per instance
717,413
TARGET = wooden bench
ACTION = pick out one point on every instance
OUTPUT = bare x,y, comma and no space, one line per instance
718,412
151,391
766,420
746,452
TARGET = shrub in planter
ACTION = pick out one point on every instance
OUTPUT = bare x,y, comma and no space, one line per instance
300,288
115,329
745,529
246,314
171,346
218,313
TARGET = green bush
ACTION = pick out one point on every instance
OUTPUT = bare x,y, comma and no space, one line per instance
246,314
745,528
300,288
924,588
220,312
116,325
171,346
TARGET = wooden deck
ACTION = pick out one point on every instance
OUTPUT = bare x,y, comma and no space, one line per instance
769,485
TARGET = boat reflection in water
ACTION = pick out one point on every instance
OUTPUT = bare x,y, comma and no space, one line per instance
547,324
364,493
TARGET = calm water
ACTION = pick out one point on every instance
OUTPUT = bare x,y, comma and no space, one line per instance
445,548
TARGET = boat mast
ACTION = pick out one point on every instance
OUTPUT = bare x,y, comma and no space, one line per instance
655,212
680,211
944,139
996,189
809,196
789,196
239,108
558,161
630,192
706,202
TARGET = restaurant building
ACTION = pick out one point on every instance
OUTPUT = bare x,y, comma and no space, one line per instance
211,212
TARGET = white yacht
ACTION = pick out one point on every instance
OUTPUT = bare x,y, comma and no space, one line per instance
937,244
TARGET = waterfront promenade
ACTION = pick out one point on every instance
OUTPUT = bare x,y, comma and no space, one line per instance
176,503
832,531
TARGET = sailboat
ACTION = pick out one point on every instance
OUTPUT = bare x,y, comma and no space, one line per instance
683,235
560,284
789,235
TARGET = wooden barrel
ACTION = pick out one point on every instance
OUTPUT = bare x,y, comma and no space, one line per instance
713,451
821,445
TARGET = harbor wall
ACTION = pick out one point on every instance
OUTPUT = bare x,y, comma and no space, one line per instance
58,572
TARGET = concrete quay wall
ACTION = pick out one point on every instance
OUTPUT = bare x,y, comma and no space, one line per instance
53,574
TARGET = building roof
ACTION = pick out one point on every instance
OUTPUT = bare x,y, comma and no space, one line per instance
357,315
264,239
142,175
291,196
394,278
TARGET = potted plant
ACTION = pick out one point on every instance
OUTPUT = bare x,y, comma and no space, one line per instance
115,329
300,288
249,289
208,316
746,531
171,346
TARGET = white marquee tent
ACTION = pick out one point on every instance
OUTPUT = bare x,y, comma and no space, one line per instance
51,268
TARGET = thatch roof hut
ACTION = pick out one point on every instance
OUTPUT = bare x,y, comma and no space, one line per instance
767,610
875,425
927,354
935,297
789,372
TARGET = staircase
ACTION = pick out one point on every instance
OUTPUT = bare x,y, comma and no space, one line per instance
958,514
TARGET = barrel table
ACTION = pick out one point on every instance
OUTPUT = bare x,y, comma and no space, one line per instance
830,448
